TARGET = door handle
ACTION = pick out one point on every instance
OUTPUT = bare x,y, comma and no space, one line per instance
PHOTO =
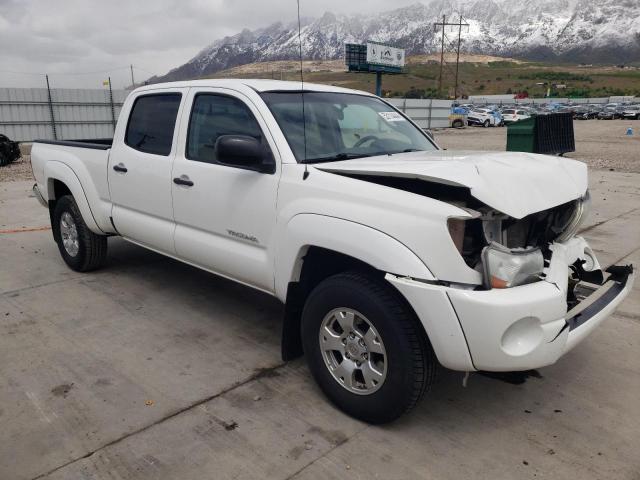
120,168
183,180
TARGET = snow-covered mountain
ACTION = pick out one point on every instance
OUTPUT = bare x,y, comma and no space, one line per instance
593,31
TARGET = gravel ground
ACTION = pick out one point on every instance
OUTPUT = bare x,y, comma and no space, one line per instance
600,143
17,171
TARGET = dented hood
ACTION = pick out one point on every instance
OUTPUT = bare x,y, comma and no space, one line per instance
514,183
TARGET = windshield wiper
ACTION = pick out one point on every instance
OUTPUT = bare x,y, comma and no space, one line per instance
337,157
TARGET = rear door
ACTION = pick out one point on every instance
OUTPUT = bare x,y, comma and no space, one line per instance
225,216
140,169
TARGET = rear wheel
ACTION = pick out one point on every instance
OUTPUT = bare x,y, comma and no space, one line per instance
81,249
365,347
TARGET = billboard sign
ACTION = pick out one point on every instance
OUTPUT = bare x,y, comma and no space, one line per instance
379,54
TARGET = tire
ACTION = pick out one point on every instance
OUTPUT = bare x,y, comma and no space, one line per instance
408,363
457,124
486,123
4,159
88,251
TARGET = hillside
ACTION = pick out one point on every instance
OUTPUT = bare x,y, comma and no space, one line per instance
589,31
478,75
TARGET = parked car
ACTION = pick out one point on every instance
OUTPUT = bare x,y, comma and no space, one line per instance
631,112
458,116
513,115
607,113
391,256
586,112
483,117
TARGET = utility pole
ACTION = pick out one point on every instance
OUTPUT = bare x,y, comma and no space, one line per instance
133,82
460,25
53,120
443,25
113,110
444,22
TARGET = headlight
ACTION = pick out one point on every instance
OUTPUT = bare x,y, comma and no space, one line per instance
577,218
504,268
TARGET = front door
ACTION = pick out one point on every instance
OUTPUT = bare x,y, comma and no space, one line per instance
225,216
140,170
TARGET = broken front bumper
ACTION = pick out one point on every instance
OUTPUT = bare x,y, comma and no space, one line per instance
517,328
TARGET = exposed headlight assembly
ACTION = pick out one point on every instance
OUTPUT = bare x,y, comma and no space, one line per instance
504,267
577,218
457,227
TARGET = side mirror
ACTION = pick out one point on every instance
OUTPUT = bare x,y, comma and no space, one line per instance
243,151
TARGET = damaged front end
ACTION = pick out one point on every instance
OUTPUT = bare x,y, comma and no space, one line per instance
561,293
541,246
510,251
523,288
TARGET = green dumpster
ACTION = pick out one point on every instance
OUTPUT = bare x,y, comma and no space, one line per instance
548,134
521,135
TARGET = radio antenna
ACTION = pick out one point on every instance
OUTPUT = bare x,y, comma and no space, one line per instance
304,118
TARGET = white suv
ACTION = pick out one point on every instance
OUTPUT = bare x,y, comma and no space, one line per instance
513,115
483,117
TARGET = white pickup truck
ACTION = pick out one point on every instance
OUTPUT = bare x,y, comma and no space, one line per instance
392,256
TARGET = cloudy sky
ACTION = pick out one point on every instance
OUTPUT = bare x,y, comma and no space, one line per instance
81,42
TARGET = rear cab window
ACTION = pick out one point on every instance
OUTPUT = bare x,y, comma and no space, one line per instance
152,123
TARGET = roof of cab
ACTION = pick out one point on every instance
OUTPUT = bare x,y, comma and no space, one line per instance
259,85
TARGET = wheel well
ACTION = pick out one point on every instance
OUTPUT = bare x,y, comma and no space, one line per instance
60,189
318,264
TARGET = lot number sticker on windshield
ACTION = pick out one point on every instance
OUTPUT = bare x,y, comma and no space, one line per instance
392,116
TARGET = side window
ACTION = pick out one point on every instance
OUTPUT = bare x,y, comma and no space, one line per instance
151,123
215,115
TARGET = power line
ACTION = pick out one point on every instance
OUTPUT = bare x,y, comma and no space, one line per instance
443,25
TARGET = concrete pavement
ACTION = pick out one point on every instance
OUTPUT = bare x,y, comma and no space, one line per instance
150,368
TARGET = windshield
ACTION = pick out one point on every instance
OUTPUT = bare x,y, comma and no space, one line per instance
340,126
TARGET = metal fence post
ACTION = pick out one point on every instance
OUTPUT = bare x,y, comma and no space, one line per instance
53,121
430,112
113,110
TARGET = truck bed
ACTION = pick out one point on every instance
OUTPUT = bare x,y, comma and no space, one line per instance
82,166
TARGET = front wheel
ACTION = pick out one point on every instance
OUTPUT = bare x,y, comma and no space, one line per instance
365,347
81,249
486,123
